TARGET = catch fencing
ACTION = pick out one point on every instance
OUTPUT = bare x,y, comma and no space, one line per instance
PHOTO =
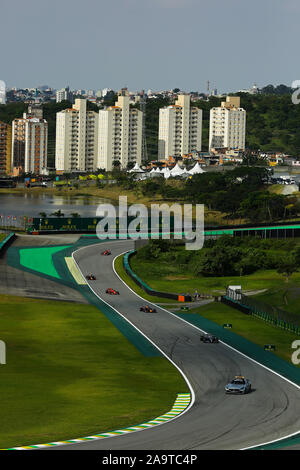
269,313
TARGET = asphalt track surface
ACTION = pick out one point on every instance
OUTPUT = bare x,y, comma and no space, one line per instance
215,420
18,282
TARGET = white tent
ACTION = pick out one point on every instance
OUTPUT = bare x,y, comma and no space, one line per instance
136,169
196,170
166,172
154,173
185,173
176,171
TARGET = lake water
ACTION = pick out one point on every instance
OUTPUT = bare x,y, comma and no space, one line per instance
31,205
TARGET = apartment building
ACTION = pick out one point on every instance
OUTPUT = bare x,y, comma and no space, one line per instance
2,92
180,128
228,125
64,95
120,134
76,138
5,148
30,142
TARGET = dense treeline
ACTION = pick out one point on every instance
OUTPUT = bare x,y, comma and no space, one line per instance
225,256
238,193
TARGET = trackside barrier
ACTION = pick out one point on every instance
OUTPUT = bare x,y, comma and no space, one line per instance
279,318
89,224
148,289
10,237
235,304
141,283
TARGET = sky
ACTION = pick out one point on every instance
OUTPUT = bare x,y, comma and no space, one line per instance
149,44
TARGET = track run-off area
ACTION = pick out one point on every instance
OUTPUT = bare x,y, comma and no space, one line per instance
213,420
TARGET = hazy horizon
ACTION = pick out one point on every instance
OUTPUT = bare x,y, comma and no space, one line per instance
142,44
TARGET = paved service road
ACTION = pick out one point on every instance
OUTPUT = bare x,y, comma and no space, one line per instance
216,420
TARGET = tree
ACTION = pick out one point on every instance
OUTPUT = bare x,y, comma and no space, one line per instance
260,206
43,215
150,187
130,165
58,213
218,261
296,254
288,268
116,164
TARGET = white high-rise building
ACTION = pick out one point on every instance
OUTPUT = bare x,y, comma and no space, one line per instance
64,95
76,138
2,92
29,142
120,134
180,129
228,125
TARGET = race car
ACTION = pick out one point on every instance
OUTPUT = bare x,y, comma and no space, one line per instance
90,277
209,339
147,309
106,252
238,385
112,291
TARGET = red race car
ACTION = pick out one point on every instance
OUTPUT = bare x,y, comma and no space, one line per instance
112,291
147,309
90,277
106,252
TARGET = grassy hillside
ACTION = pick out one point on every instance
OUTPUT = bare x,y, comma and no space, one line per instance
70,373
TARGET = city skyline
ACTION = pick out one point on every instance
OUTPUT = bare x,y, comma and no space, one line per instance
157,44
212,90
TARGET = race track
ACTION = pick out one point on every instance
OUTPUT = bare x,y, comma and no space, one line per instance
19,282
216,420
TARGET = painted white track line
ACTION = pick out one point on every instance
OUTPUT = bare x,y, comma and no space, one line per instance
228,346
145,336
136,428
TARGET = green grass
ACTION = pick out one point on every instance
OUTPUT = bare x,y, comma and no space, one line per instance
2,236
167,278
285,296
123,275
70,373
249,327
